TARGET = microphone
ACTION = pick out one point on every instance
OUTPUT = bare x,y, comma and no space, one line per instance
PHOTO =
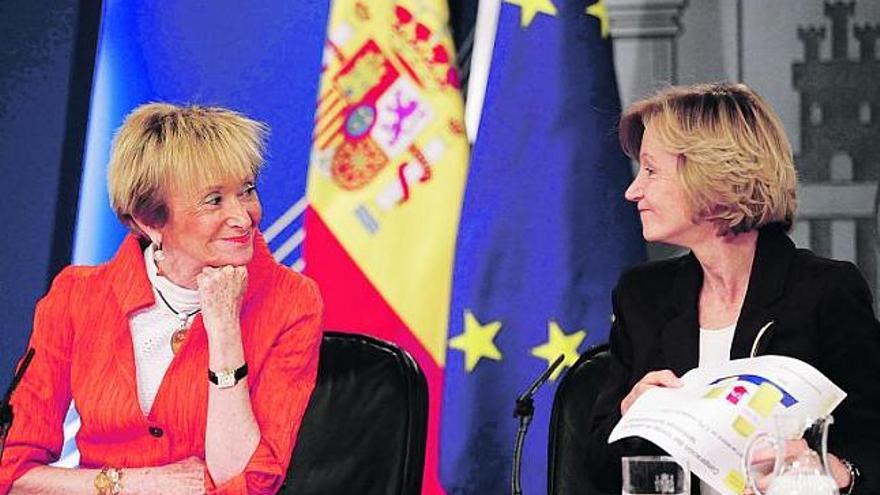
525,410
6,415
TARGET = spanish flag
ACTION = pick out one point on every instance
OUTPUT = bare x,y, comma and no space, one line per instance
386,178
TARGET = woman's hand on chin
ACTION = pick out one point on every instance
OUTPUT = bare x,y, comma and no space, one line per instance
220,292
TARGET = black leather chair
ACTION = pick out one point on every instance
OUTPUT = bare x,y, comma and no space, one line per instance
567,445
365,428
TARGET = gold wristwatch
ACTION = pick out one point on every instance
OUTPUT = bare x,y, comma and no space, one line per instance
108,481
228,378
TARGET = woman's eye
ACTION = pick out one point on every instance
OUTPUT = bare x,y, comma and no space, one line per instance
213,200
249,190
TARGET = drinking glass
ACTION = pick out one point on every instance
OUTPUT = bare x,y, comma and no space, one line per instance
655,475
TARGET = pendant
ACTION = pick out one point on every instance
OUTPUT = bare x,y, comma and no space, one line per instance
177,339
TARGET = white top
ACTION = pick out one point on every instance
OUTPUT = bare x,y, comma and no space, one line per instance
714,349
715,345
151,331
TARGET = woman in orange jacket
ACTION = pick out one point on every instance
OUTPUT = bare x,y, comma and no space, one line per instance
192,354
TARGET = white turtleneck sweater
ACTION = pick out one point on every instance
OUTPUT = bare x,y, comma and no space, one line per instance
152,328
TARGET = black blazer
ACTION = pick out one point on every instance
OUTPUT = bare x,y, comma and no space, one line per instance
821,313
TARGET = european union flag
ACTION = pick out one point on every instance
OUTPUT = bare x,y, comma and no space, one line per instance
544,234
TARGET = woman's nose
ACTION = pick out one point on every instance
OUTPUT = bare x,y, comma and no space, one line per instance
237,214
634,191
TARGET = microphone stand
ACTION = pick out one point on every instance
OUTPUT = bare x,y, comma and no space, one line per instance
6,415
525,411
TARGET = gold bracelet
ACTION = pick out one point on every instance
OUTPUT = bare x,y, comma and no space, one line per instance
108,481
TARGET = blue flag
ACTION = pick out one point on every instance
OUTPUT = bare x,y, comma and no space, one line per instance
544,234
263,60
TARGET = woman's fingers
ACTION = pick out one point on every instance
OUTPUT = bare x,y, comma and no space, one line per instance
221,291
662,378
763,456
793,448
764,482
762,461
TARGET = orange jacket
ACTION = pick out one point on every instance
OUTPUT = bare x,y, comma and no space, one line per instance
84,352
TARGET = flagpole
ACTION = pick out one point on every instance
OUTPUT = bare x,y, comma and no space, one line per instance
485,30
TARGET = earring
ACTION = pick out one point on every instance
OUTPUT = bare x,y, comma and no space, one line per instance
158,254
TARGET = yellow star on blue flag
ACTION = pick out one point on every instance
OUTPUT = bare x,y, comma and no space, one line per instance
600,11
477,341
530,8
558,342
521,257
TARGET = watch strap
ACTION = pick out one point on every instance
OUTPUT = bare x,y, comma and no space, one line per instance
237,374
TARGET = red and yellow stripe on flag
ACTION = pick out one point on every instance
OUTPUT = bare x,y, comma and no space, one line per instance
386,178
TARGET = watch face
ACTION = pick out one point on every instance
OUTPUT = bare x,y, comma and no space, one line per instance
225,379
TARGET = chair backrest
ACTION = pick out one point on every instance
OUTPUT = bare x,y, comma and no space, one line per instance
365,427
572,403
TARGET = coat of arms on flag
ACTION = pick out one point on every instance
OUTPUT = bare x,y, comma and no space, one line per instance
389,156
387,174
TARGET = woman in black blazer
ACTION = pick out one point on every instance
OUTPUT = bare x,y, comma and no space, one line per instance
716,176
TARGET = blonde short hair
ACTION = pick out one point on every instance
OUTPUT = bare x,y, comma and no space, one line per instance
162,147
735,161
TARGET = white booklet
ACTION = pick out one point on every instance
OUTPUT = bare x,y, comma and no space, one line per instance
709,421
